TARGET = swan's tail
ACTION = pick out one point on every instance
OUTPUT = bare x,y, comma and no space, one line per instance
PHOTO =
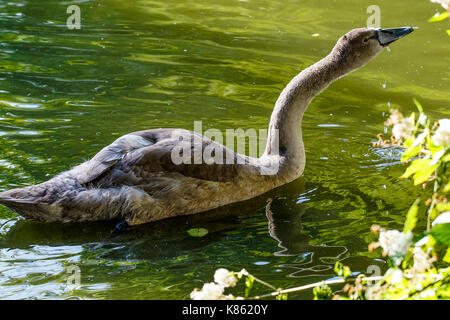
64,199
32,203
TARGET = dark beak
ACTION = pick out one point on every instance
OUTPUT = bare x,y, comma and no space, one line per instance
387,36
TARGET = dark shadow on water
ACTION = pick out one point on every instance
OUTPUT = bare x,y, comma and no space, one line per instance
285,228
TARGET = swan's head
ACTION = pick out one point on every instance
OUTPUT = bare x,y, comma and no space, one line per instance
359,46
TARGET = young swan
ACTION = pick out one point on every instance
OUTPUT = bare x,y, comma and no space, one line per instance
135,179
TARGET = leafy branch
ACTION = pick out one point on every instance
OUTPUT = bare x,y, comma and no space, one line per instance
411,257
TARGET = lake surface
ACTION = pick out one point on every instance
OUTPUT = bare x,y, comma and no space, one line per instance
141,64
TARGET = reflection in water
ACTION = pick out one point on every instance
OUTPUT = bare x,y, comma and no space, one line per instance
286,228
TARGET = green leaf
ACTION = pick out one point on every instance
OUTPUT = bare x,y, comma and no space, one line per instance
439,17
418,105
341,270
447,187
411,217
424,174
447,256
441,232
197,232
421,169
412,151
448,32
282,296
408,142
416,165
443,206
322,292
248,285
431,146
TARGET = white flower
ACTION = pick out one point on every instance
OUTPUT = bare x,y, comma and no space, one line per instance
397,276
224,278
442,135
422,119
210,291
197,295
444,3
422,241
438,155
420,138
429,293
395,244
242,273
395,117
444,217
403,129
421,261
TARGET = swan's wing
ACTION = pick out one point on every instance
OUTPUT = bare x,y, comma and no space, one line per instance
140,155
186,153
109,157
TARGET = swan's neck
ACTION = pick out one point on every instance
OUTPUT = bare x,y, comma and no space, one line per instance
285,132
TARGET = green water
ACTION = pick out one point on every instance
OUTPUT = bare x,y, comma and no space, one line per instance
142,64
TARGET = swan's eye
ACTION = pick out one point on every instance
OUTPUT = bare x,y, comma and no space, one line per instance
366,39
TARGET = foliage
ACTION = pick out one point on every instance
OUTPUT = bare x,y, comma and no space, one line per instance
412,274
411,254
197,232
441,16
322,292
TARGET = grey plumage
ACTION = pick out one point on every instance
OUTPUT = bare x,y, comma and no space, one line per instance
136,180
